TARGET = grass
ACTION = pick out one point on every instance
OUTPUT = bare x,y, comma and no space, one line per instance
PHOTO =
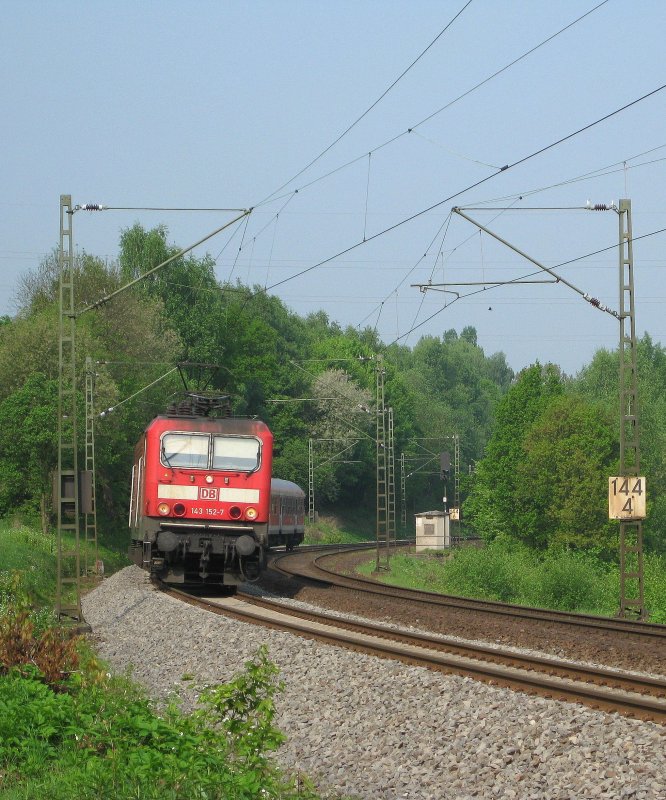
329,530
559,579
31,553
340,525
27,550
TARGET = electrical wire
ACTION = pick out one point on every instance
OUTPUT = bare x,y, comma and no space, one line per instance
586,176
522,277
240,248
597,173
481,181
413,127
369,109
155,208
507,167
469,238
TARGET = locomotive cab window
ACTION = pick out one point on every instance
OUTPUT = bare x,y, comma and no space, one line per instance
185,450
236,453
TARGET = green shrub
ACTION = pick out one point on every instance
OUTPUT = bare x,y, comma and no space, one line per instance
569,581
495,572
504,570
29,644
104,739
655,587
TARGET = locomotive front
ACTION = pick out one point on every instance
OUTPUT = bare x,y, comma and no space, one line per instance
200,499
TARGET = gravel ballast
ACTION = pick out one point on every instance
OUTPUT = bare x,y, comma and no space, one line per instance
371,728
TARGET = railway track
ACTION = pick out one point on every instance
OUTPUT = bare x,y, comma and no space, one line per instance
610,690
306,564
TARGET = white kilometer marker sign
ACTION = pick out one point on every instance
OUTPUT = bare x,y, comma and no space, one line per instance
626,497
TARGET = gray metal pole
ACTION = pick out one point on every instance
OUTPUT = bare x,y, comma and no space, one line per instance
68,566
632,602
311,502
382,559
91,552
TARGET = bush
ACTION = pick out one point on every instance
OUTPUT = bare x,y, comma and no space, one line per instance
495,572
569,580
505,570
30,643
655,587
98,739
68,729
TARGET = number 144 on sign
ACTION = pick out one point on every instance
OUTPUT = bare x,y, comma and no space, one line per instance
626,498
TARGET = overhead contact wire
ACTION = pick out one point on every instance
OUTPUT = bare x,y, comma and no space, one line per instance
480,182
521,278
369,109
434,113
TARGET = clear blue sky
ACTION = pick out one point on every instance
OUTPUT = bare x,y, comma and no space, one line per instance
217,104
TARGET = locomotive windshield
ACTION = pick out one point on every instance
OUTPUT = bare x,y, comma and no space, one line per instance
236,453
193,451
185,450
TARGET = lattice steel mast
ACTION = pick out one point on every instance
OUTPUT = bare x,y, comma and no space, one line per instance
68,568
382,560
456,479
66,490
631,528
631,531
90,552
403,492
311,500
390,469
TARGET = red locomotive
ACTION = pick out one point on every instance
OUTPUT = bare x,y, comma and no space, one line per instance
203,508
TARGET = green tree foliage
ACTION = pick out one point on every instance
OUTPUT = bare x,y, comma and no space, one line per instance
129,332
264,353
458,387
28,443
28,345
561,489
342,433
544,478
492,505
450,387
600,381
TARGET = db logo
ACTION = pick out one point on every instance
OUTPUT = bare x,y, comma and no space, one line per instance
207,494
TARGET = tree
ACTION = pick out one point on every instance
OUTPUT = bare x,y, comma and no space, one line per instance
130,330
28,445
457,389
492,504
343,430
599,381
561,485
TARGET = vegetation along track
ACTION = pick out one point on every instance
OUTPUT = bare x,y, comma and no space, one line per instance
629,694
329,567
620,644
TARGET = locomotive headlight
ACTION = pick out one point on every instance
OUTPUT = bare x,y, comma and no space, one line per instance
251,513
235,512
209,478
179,509
163,509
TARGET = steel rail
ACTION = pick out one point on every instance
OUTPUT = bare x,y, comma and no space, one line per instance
331,576
623,679
419,652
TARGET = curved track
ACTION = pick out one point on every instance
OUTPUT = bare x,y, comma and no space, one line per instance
610,690
325,568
